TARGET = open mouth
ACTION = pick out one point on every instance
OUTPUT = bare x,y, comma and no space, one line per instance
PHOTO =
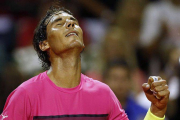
71,33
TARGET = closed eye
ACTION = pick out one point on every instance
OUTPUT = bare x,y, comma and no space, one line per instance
59,24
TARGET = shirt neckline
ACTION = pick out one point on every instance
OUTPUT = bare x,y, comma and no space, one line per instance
67,90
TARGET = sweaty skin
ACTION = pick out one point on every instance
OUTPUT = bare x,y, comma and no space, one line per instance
64,50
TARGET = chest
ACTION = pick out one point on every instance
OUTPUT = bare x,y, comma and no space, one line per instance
68,105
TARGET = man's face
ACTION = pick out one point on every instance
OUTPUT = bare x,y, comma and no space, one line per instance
64,33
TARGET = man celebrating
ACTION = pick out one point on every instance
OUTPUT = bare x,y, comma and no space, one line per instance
62,92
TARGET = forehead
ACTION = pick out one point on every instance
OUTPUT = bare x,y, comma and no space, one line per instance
60,14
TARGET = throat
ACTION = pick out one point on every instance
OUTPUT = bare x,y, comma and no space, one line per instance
65,73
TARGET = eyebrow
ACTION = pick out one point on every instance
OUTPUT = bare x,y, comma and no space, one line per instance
74,19
56,20
59,19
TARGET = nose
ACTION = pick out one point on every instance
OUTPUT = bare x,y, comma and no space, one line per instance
70,24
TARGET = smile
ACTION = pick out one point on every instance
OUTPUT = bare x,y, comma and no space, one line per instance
71,33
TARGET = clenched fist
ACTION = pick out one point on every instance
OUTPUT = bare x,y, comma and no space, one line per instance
156,91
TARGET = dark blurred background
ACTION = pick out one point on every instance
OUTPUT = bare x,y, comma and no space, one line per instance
126,42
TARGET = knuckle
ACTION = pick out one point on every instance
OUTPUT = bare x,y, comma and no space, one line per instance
164,81
168,92
156,89
159,93
166,86
153,84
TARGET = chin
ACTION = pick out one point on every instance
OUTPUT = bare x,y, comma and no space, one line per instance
77,44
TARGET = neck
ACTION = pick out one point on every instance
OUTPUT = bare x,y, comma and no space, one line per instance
65,71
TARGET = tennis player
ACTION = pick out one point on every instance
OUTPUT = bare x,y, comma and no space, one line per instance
63,92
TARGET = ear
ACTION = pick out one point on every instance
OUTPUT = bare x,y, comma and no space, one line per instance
44,45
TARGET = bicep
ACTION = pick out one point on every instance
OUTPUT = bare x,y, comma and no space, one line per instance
17,106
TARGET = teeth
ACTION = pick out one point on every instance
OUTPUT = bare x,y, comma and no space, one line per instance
71,34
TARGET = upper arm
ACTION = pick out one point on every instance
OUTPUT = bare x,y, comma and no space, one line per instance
17,106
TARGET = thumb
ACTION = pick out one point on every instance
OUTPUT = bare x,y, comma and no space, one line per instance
148,92
146,87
